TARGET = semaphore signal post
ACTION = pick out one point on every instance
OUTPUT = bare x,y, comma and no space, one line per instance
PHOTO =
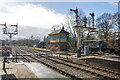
10,34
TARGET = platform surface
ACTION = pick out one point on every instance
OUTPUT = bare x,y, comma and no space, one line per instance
106,57
42,71
16,70
27,70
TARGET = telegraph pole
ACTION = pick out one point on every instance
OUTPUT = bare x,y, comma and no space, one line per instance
119,25
79,44
10,34
85,21
77,29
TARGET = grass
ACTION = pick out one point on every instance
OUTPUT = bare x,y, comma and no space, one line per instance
72,53
66,52
50,50
61,51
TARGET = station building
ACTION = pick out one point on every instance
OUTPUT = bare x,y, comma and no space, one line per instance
59,40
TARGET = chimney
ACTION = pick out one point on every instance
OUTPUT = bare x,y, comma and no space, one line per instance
63,28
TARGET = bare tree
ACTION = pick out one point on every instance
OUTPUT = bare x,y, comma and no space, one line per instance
38,38
115,18
70,22
81,15
105,23
31,37
55,27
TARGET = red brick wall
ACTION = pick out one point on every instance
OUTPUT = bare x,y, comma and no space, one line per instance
59,46
54,46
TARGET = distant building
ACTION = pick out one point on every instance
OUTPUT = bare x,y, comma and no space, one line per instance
59,40
41,45
116,40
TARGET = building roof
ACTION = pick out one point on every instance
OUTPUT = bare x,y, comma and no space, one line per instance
59,31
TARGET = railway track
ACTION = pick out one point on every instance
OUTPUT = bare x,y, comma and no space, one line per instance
56,68
86,65
96,71
27,58
64,66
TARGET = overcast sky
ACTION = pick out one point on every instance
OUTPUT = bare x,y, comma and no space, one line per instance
36,18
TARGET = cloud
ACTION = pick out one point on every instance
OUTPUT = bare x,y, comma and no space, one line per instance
41,32
113,3
30,17
59,0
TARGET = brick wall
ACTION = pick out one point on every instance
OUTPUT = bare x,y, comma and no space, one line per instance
59,46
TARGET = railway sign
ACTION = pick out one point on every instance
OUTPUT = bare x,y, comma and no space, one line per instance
4,51
91,43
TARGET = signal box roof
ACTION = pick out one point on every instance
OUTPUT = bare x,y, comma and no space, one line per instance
59,31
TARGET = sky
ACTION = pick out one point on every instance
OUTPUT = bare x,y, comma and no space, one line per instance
37,18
